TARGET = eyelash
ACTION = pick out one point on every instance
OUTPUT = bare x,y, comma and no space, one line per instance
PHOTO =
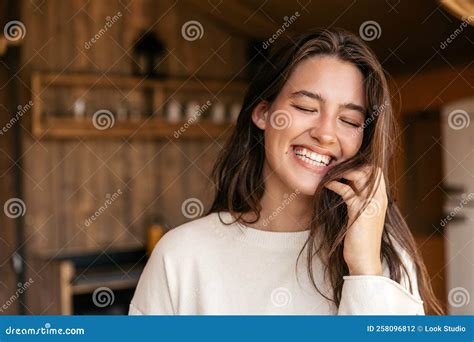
351,123
305,109
315,111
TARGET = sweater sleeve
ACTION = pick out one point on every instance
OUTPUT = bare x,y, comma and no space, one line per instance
380,295
152,295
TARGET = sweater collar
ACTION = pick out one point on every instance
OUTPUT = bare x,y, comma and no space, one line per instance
259,237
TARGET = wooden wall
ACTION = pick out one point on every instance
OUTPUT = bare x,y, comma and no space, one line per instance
7,225
420,197
66,181
9,302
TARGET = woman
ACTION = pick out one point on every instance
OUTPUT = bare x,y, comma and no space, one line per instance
302,221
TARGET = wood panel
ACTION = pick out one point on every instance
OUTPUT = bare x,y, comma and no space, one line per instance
429,90
7,230
69,180
66,182
435,263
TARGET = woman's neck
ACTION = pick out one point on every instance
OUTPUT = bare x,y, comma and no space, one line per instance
283,209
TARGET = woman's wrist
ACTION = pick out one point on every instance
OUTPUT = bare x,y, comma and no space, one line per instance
375,270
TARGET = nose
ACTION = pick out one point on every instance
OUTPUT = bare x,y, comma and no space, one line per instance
324,130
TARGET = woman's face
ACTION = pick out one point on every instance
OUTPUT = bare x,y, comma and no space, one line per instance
314,123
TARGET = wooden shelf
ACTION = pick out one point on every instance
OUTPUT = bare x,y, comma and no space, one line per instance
114,279
62,128
59,127
63,278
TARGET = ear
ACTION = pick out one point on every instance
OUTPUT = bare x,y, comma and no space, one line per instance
259,114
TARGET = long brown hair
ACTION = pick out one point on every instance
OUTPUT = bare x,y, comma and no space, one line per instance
238,171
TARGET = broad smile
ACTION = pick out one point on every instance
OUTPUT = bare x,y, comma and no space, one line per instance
312,160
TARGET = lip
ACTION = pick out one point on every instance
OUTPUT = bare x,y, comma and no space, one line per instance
313,168
316,149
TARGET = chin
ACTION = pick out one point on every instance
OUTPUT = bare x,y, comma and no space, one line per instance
307,189
304,187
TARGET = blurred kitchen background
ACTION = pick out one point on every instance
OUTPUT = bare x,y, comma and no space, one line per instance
113,112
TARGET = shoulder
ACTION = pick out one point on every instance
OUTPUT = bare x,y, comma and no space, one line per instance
188,237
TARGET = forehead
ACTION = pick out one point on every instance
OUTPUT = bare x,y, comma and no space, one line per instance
336,80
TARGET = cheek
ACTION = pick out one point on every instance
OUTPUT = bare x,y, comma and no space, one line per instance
279,135
350,144
275,142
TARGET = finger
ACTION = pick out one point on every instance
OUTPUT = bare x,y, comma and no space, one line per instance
380,183
343,190
358,178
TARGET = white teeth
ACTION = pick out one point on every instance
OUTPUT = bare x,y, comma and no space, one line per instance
311,157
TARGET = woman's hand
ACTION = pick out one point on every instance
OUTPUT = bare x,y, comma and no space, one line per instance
363,239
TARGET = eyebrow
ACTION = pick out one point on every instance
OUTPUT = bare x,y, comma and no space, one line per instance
318,97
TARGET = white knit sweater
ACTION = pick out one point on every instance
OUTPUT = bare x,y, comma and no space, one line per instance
204,267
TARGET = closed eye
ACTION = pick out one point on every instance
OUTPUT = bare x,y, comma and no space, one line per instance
353,124
303,109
